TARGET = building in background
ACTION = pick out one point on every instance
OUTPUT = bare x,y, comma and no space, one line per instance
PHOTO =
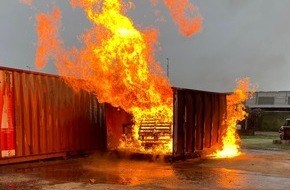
273,107
270,101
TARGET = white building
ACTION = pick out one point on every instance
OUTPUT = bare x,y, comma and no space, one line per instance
270,100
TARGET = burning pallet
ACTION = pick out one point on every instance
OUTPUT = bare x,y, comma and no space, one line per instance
151,132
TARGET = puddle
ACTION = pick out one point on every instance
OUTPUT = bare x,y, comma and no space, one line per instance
190,174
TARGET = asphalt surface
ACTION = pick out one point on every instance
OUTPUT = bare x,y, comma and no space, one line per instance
252,170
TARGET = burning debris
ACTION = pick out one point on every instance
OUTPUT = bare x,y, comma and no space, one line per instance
117,64
154,132
154,136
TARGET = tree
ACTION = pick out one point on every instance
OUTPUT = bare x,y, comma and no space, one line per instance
254,120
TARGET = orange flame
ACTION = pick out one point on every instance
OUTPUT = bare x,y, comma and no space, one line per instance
235,112
188,24
28,2
184,14
48,41
117,63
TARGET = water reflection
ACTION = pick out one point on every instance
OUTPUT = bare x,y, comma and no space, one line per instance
102,170
215,177
128,172
229,179
177,175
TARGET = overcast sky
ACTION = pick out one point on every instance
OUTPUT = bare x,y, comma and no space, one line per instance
239,38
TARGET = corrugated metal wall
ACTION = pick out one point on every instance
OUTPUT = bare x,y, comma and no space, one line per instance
41,115
198,120
51,118
197,123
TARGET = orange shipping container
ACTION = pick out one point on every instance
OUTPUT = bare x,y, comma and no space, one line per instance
42,117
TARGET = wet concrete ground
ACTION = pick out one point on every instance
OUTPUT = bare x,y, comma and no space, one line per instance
252,170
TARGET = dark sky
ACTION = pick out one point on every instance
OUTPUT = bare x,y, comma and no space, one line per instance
240,38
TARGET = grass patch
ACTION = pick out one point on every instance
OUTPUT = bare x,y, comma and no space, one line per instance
263,141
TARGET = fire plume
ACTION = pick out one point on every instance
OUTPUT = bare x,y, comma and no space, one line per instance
125,73
235,112
116,63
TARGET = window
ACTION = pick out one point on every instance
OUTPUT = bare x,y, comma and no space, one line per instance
266,100
287,123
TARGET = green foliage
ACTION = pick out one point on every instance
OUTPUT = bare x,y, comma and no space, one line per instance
259,120
254,120
272,121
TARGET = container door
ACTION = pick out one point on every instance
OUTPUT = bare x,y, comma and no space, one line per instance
184,124
6,115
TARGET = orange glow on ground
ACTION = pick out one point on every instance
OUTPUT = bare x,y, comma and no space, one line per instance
235,112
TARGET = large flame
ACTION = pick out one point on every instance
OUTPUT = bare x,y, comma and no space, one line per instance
235,112
117,62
